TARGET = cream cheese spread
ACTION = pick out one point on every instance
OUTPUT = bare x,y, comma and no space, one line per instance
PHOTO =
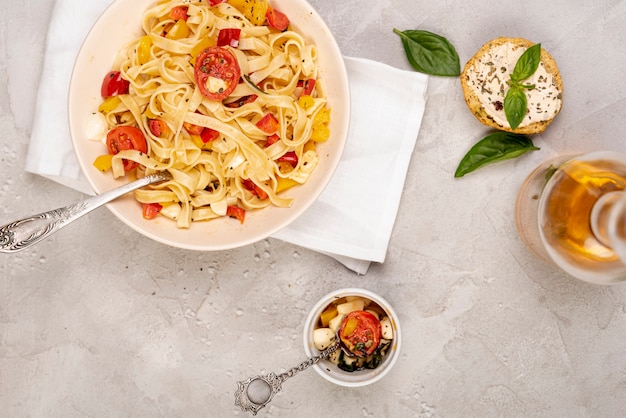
488,77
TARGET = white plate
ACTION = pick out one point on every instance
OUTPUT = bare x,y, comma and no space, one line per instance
119,24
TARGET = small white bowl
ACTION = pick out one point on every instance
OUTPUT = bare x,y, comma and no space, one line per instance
331,371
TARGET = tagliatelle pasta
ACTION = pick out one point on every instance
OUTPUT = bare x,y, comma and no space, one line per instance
231,109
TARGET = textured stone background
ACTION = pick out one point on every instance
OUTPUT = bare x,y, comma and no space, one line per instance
100,321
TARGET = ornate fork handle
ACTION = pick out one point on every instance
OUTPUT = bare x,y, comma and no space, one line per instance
23,233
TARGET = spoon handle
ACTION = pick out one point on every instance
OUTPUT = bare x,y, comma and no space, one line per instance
23,233
309,362
256,392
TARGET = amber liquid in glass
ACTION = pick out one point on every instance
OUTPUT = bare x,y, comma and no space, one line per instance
566,212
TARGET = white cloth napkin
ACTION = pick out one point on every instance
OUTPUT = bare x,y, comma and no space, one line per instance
349,222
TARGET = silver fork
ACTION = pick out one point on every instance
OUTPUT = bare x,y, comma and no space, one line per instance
21,234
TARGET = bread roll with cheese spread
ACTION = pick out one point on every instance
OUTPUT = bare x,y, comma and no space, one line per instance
484,81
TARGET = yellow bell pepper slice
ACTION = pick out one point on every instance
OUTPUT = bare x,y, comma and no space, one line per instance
350,327
320,133
284,184
197,141
309,146
109,104
143,49
253,10
103,162
201,46
306,102
327,315
179,30
149,114
322,117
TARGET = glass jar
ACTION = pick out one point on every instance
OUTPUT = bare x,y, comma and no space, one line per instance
571,211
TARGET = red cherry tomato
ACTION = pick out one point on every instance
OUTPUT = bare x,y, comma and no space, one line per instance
179,12
124,138
216,66
216,2
277,20
113,84
193,129
236,212
360,332
158,127
151,210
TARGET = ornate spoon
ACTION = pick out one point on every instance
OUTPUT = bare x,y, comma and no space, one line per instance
256,392
21,234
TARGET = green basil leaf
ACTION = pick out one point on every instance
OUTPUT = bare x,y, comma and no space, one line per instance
498,146
515,106
250,84
430,53
527,64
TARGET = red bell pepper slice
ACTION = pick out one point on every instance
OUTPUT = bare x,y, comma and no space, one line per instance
254,189
209,135
268,124
229,37
236,212
307,86
242,101
271,140
289,157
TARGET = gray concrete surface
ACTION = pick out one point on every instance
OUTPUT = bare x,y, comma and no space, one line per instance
99,321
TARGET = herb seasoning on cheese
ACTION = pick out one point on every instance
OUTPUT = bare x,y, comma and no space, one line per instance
484,82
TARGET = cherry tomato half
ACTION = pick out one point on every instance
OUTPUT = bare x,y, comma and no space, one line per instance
277,20
360,333
179,12
217,73
158,127
151,210
193,129
113,84
123,138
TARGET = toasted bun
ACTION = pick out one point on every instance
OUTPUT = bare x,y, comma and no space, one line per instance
484,86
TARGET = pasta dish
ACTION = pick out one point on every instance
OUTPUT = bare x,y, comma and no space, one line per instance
226,97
